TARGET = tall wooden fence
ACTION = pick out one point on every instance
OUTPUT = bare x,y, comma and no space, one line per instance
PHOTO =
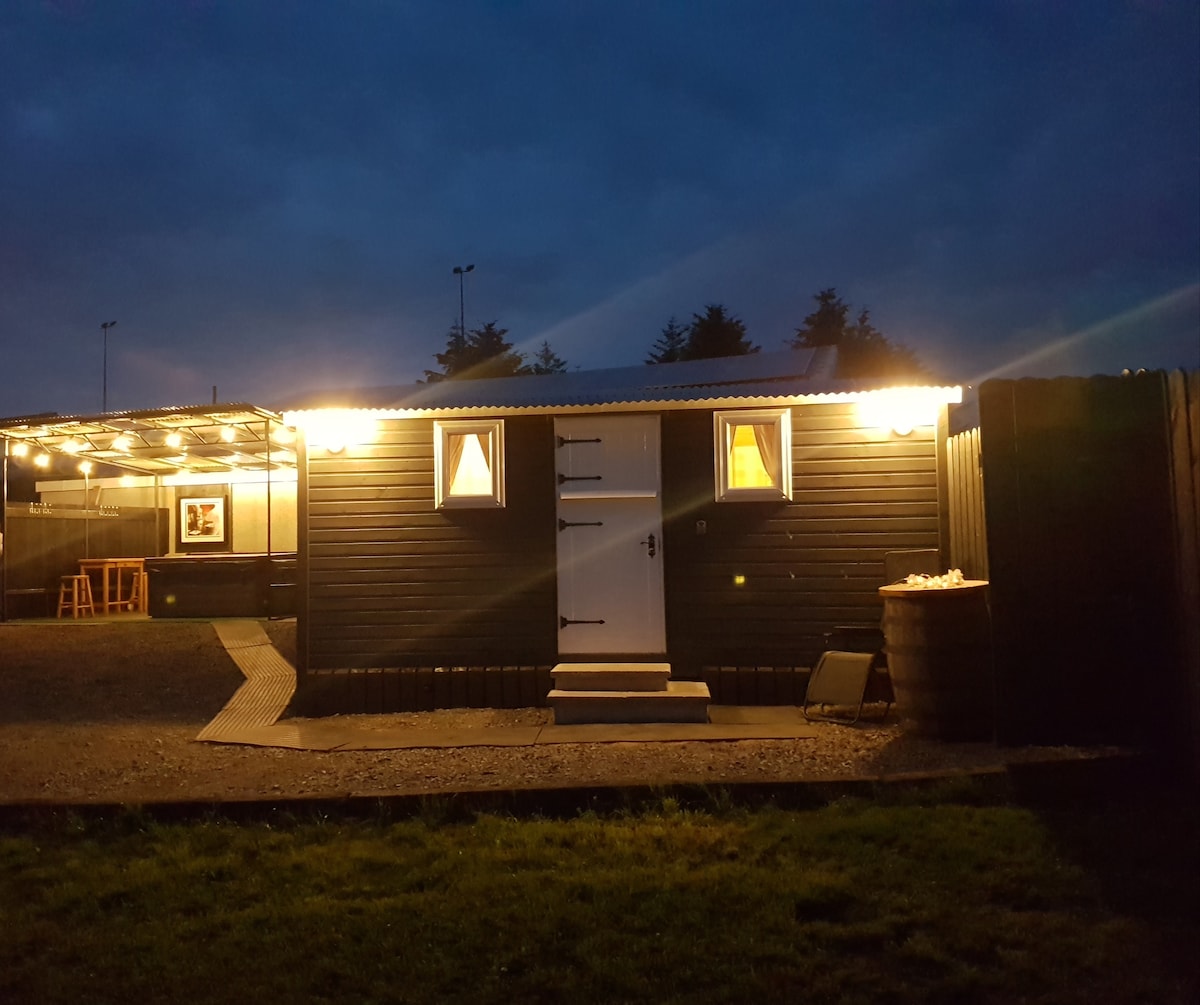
1183,412
42,543
1078,500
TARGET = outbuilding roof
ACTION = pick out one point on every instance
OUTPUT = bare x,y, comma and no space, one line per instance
785,373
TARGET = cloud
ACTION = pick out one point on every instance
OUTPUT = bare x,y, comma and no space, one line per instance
290,183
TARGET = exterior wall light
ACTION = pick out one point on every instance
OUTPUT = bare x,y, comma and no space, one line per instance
903,409
335,429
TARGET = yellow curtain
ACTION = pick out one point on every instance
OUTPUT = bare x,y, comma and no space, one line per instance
454,451
766,435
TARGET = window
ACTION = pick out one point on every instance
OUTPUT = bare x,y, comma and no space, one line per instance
468,464
754,454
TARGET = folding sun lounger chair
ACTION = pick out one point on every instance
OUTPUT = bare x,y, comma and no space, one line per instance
839,680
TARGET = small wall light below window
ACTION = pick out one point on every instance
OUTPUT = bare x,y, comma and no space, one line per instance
739,579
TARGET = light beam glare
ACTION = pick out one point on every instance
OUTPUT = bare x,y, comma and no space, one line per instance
1142,313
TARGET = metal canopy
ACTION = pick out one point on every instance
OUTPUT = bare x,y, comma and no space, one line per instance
195,439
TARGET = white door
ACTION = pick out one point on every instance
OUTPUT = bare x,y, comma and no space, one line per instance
610,561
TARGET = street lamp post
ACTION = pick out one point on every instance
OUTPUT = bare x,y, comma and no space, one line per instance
104,400
460,271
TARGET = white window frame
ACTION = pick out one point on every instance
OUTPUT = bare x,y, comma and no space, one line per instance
493,429
724,426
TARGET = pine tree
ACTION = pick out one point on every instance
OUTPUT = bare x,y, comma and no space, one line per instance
546,360
824,326
715,334
481,352
863,350
671,344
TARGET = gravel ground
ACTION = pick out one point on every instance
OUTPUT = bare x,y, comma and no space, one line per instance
108,712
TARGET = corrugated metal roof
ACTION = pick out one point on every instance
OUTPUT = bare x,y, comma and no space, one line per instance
774,374
193,439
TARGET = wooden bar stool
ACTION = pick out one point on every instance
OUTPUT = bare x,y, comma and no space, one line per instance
137,592
75,594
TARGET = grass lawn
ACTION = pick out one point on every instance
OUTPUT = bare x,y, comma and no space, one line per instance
955,894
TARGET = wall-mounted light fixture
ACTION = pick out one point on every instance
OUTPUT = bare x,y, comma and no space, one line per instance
335,429
903,409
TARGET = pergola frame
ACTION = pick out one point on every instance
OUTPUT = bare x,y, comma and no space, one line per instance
179,443
194,439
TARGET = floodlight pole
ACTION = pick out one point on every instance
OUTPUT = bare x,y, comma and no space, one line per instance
104,400
461,271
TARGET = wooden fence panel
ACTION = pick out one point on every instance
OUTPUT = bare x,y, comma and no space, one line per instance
43,543
1082,557
1183,405
968,532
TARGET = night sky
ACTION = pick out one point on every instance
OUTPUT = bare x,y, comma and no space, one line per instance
271,197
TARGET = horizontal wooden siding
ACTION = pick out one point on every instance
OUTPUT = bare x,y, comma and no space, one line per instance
392,582
807,566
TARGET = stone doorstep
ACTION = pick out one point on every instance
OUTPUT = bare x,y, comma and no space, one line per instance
682,701
611,676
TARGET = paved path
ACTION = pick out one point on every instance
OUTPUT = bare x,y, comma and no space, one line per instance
270,683
251,716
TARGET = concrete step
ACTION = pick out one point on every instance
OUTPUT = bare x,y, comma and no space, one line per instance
681,701
611,676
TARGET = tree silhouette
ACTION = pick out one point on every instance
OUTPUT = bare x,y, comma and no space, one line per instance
715,333
486,352
826,325
546,360
863,350
480,352
671,344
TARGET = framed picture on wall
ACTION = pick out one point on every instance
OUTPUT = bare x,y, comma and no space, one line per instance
203,523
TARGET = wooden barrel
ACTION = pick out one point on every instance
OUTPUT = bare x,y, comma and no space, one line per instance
938,646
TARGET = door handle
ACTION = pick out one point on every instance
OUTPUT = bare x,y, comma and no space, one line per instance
651,546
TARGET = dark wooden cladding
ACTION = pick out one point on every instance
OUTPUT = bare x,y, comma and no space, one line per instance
968,530
1077,487
1183,404
809,565
392,582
